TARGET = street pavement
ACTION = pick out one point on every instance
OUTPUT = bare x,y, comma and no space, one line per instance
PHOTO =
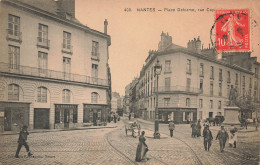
112,146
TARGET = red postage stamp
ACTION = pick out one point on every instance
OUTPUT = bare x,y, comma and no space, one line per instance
233,30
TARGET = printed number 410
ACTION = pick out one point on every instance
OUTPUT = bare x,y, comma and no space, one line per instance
128,10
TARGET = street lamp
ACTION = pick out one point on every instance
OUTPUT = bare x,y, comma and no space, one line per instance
157,72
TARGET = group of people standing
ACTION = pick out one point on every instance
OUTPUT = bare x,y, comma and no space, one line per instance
222,136
196,129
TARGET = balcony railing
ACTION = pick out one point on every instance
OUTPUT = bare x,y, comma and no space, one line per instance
14,35
51,74
67,49
95,56
43,42
178,89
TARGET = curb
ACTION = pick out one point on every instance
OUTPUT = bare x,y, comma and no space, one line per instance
59,130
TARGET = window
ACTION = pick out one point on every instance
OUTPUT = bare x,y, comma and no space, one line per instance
187,102
220,89
94,97
42,94
236,79
244,81
42,62
228,77
220,75
201,85
211,104
66,65
57,115
255,85
95,47
66,40
13,25
188,84
94,70
66,96
167,84
250,83
13,92
210,114
211,72
201,103
75,115
43,36
219,104
166,101
14,57
168,66
188,67
201,70
211,88
228,90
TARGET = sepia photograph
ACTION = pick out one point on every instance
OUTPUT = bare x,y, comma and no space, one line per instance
129,82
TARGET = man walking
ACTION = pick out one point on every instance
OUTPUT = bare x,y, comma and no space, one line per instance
22,142
207,138
222,136
171,128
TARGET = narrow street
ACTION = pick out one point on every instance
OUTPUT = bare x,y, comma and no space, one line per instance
112,146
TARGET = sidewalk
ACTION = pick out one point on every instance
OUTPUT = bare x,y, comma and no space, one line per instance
109,125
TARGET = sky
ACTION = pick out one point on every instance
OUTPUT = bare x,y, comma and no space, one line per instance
133,33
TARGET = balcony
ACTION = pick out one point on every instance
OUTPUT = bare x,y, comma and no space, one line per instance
43,43
95,56
67,49
178,89
13,35
51,74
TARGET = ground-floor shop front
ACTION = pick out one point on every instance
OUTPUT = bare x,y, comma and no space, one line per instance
13,115
95,114
178,115
66,116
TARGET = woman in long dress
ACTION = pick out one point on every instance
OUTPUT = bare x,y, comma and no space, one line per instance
142,148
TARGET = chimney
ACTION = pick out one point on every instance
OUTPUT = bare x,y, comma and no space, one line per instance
105,26
67,6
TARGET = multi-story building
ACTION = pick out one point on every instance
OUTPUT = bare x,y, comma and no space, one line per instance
54,70
114,102
193,83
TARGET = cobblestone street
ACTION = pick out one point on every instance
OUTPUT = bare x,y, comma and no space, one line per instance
112,146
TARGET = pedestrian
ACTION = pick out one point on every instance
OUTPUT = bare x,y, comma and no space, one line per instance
256,124
142,149
207,138
171,128
198,128
232,139
129,116
246,123
194,131
222,136
114,118
22,141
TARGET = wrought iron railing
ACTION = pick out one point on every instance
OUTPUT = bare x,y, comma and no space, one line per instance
14,35
51,74
43,42
178,89
67,48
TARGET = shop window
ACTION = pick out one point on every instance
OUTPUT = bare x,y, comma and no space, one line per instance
57,115
13,92
187,102
75,115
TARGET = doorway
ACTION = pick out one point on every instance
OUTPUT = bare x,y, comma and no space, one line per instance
95,116
66,118
41,118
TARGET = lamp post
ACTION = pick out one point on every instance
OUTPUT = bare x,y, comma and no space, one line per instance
157,72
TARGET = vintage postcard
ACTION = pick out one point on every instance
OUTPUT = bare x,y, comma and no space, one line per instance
127,82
